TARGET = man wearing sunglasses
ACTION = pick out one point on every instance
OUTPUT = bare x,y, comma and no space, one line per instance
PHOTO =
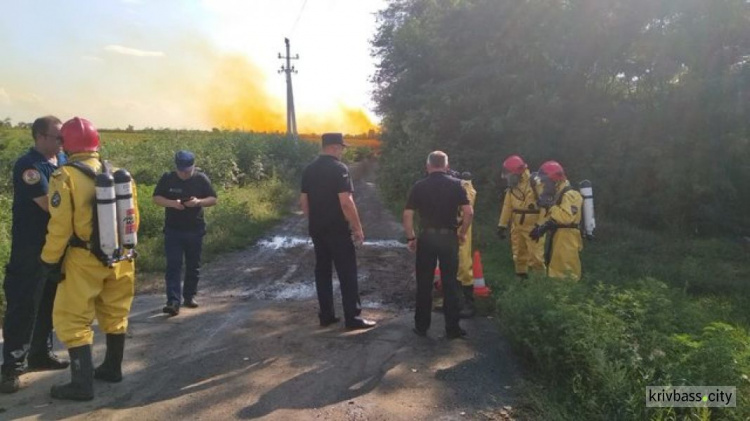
27,329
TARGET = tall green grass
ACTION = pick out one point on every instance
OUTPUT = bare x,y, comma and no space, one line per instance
652,308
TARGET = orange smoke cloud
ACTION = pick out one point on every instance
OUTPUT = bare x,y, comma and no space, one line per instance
344,119
236,99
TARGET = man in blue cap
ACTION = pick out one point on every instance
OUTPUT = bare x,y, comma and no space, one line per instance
183,193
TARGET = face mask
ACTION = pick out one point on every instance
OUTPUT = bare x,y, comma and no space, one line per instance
512,179
547,194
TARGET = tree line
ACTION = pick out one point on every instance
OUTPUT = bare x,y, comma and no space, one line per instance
646,98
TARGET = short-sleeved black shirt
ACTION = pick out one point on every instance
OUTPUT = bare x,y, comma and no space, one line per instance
31,174
322,181
437,199
172,187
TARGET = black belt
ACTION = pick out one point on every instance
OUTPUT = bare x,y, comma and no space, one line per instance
439,230
524,212
79,243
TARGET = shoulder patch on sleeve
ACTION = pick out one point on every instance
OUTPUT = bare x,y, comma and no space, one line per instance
55,199
31,176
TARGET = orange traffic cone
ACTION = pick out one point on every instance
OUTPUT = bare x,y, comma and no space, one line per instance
480,289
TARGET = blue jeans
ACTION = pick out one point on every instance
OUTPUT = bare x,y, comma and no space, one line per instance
179,244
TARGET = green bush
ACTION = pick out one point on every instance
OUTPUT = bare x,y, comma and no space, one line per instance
358,153
598,346
651,309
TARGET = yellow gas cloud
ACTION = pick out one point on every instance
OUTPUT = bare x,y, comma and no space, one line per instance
235,98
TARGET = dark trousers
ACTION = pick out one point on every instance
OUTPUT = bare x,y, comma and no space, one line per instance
336,249
178,245
431,249
27,328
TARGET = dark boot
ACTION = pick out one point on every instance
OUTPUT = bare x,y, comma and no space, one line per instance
468,310
111,368
81,386
46,361
9,383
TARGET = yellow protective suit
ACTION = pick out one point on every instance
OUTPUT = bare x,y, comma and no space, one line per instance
565,241
90,289
520,213
465,272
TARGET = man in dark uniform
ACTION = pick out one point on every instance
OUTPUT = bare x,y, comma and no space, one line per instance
184,193
437,199
334,226
30,296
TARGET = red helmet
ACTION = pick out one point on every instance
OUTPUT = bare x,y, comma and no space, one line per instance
514,165
553,170
79,135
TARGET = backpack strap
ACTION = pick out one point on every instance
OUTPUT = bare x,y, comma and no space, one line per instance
80,166
562,193
93,244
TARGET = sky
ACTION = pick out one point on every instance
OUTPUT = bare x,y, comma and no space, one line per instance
189,64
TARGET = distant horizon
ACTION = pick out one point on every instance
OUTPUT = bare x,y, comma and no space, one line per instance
372,133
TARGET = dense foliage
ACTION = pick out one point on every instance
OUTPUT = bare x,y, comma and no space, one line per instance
647,98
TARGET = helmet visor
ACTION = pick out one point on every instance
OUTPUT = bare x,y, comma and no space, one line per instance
511,179
547,190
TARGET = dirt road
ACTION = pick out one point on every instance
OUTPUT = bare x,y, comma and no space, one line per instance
253,349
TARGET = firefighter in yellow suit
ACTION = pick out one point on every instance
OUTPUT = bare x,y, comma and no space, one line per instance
519,214
561,223
465,272
89,288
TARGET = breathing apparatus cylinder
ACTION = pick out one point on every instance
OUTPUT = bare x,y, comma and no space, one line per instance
106,212
125,209
589,223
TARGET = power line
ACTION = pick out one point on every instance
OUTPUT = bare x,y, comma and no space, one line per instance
299,15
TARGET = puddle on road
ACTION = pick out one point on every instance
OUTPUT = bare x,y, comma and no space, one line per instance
373,304
280,241
284,242
293,293
301,292
385,244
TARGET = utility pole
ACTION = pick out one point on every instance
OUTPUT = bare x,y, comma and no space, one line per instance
288,69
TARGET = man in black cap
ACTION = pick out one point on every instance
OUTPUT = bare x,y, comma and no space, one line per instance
184,193
437,199
334,226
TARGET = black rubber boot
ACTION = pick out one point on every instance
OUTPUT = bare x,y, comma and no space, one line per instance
81,386
9,383
111,368
468,310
